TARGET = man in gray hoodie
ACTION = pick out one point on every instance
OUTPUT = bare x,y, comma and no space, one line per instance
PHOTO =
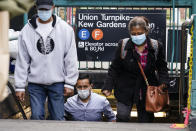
47,60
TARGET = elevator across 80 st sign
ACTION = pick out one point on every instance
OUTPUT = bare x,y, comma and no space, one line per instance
98,31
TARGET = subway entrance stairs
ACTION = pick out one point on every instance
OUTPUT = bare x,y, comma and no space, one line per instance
30,125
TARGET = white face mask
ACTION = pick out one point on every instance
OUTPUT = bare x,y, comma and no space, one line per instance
83,94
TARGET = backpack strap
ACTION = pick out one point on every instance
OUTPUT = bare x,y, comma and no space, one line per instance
155,46
123,51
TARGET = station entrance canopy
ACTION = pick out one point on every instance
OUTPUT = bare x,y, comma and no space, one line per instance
124,3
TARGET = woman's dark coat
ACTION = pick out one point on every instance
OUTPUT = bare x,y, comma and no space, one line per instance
125,77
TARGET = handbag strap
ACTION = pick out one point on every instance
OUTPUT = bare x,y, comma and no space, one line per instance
143,74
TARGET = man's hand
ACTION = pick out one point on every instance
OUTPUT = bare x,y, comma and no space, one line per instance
68,91
106,92
20,95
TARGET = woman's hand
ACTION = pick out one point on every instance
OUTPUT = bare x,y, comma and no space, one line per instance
164,87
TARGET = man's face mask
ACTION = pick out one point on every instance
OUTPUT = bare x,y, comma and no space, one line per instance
138,39
83,94
44,15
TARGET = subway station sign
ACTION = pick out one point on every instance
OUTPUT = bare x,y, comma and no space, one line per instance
99,31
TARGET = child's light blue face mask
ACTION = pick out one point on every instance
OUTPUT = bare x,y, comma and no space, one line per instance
44,14
138,39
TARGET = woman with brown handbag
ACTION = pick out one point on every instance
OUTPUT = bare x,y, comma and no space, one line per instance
125,77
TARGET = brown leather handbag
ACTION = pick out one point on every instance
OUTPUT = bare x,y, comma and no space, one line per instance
157,99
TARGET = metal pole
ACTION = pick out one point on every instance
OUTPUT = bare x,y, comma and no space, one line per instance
193,89
182,69
173,36
194,39
25,18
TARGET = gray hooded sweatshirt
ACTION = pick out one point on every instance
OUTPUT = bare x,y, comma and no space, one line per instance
46,63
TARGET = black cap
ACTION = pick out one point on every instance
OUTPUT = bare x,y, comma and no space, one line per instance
45,4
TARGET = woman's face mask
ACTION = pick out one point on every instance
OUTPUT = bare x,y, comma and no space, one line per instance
138,35
44,15
138,39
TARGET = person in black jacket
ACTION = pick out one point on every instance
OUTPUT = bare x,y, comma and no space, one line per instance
125,76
